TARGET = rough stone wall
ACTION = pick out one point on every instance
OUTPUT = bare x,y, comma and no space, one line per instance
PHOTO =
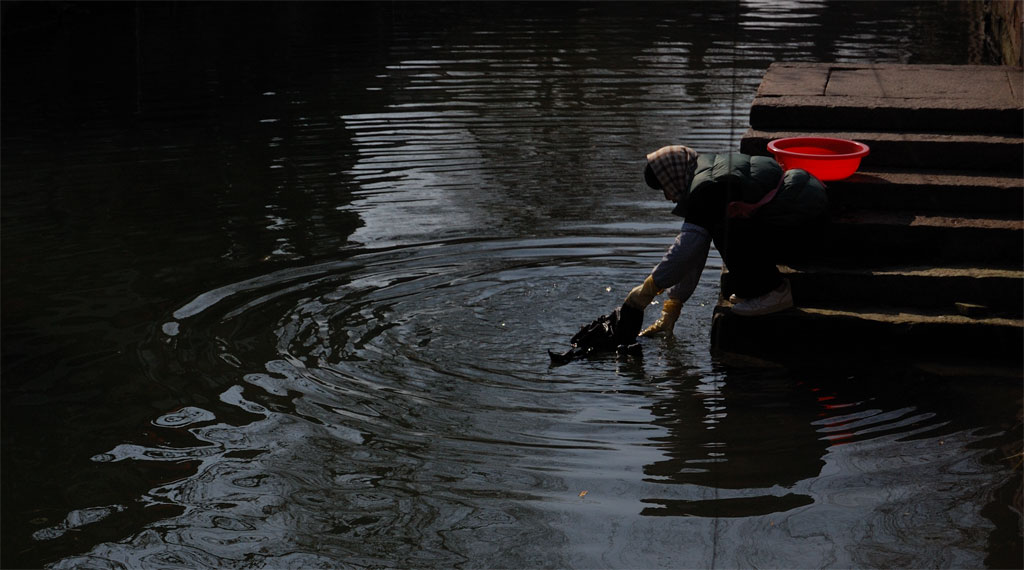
998,31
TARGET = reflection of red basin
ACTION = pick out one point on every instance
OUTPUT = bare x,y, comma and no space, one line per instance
825,158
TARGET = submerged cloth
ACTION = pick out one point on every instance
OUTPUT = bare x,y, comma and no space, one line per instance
616,331
674,167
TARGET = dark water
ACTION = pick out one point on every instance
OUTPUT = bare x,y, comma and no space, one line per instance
278,282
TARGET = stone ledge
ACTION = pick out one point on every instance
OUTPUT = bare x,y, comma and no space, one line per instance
862,239
882,331
934,179
929,192
995,84
906,219
929,151
890,97
998,292
966,116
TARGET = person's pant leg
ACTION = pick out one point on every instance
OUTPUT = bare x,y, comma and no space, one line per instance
749,249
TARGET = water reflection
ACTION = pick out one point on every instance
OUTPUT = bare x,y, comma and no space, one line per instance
748,432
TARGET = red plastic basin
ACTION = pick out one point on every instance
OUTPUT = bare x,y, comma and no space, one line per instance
825,158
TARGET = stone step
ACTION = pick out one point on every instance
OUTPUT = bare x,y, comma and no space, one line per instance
812,113
930,151
970,291
869,332
890,97
871,238
922,192
924,255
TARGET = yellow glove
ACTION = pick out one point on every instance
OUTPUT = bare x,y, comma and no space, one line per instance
669,314
642,295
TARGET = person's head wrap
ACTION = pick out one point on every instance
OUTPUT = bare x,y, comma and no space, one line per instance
674,167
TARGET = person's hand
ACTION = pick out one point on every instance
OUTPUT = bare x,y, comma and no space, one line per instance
643,294
669,314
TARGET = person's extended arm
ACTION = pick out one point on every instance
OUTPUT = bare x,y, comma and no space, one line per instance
680,269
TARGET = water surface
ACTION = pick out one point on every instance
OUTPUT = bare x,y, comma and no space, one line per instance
279,282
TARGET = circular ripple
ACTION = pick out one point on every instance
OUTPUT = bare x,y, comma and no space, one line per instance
403,396
481,312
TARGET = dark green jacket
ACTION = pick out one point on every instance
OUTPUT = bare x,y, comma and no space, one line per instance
801,199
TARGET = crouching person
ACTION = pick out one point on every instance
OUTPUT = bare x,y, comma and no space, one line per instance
749,208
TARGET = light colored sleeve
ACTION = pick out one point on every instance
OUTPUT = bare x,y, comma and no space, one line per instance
680,268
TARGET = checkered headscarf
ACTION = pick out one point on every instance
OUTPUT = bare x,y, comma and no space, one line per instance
674,167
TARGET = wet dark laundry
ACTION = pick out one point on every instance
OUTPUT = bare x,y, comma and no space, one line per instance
616,331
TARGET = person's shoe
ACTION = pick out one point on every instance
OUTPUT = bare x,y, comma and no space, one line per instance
734,299
773,301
